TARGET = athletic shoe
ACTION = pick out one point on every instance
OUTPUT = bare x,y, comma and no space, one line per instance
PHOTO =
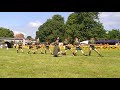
85,54
74,54
42,53
64,53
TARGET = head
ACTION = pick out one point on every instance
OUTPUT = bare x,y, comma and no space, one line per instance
57,42
66,39
92,38
76,39
58,38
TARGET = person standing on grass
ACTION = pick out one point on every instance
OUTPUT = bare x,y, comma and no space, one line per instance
20,46
66,46
56,49
92,46
78,47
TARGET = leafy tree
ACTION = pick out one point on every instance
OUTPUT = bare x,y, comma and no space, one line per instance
51,29
29,37
113,34
4,32
84,25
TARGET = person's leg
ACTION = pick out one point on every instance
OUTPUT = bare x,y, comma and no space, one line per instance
50,51
21,48
35,49
75,53
79,48
48,48
59,51
83,52
90,49
45,50
17,50
71,51
97,52
76,50
64,51
29,49
41,51
66,48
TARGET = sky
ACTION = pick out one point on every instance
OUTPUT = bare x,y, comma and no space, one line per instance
28,22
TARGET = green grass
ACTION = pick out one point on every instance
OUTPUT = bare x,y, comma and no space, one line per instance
23,65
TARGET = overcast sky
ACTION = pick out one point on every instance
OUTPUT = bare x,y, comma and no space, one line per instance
110,20
28,22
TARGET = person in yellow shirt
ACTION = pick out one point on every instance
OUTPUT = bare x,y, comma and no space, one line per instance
20,46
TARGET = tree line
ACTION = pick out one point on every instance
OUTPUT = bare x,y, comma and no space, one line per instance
83,25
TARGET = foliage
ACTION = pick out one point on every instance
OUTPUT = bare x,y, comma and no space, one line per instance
113,34
4,32
51,29
29,37
84,25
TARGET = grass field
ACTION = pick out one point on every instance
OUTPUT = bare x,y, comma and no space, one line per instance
23,65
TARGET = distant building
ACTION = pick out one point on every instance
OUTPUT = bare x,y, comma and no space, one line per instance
20,35
10,41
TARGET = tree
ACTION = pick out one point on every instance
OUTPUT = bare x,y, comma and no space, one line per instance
51,29
113,34
29,37
84,25
4,32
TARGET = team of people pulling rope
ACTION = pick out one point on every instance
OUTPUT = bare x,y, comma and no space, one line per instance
56,50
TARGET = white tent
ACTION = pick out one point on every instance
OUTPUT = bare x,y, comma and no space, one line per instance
84,42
